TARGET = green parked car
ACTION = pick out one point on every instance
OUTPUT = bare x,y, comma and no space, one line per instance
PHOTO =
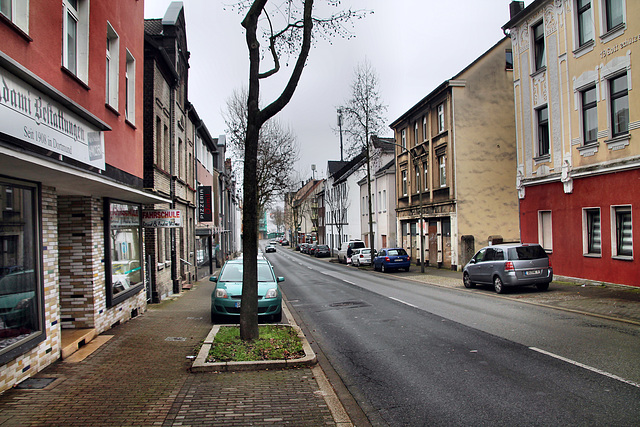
226,296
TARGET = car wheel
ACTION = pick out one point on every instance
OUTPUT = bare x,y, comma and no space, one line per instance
542,286
277,318
383,268
408,269
498,285
467,281
215,318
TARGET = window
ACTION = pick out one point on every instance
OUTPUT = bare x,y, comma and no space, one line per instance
112,69
622,230
158,142
379,201
417,170
538,46
592,232
614,10
442,161
425,172
585,22
16,11
125,248
508,54
75,42
424,128
404,182
130,89
545,235
543,131
440,118
589,116
404,139
21,317
384,200
619,105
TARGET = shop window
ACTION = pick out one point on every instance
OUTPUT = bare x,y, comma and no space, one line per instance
124,245
592,234
589,116
619,105
621,228
545,235
21,312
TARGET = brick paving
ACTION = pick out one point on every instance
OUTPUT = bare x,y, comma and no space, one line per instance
141,378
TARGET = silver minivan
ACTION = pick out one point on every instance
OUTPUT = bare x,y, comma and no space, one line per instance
509,265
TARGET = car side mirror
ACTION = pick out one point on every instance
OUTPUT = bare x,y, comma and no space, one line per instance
213,278
472,261
280,279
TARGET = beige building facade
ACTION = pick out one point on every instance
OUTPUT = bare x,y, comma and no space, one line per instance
455,164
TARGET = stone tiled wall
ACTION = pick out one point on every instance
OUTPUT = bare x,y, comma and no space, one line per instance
47,351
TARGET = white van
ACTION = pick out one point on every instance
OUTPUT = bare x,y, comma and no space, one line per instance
342,253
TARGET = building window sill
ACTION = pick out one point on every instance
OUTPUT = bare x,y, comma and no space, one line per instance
15,28
613,33
112,109
130,124
589,149
74,77
623,257
545,158
539,71
592,255
618,142
584,49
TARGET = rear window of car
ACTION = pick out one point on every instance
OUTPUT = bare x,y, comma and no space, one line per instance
396,252
233,273
365,251
527,253
357,245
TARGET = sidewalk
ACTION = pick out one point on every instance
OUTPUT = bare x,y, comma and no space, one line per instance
141,377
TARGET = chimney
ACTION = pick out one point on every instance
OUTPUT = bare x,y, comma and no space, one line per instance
515,7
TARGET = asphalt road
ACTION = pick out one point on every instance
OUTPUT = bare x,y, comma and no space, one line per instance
412,354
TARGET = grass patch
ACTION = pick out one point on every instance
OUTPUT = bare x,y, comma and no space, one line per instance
276,342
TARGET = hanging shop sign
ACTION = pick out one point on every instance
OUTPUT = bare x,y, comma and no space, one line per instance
162,218
30,116
204,204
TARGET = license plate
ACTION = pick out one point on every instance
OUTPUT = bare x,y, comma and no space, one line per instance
238,304
398,260
532,272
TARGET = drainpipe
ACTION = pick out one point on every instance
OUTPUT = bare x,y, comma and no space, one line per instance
172,135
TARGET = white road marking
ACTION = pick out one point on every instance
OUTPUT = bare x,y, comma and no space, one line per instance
404,302
590,368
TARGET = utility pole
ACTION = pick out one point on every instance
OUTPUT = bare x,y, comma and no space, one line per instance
340,127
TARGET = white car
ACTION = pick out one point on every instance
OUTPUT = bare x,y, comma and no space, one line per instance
361,256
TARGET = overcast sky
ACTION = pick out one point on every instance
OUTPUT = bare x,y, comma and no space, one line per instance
414,45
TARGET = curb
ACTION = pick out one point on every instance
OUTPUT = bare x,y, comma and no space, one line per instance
200,363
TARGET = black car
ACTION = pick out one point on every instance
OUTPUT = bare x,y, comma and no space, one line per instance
284,242
322,251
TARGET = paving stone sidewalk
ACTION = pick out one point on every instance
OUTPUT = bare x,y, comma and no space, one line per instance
141,377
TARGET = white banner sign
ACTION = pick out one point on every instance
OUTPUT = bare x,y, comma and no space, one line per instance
163,218
31,116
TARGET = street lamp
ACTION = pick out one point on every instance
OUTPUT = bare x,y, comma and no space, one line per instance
421,190
340,127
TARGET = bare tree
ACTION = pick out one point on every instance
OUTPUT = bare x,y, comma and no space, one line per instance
277,150
336,199
277,214
364,117
293,37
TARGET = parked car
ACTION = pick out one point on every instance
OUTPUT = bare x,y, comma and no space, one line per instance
361,257
509,265
311,250
270,248
284,242
388,259
227,294
322,251
353,244
304,248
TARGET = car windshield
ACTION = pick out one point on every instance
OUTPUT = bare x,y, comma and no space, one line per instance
396,252
527,253
233,273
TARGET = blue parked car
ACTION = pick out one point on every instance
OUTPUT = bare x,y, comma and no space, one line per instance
391,259
225,298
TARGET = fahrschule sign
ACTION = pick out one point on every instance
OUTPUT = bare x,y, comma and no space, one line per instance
162,218
30,116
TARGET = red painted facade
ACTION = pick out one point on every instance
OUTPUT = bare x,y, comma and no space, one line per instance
123,144
598,191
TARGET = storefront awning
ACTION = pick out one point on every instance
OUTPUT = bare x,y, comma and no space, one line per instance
69,180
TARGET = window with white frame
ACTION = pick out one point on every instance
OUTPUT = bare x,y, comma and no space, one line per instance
404,182
618,89
614,14
589,116
440,118
16,11
424,128
545,234
417,174
543,131
415,133
425,175
442,162
621,228
585,21
384,200
130,88
592,234
403,141
379,201
112,67
539,60
75,40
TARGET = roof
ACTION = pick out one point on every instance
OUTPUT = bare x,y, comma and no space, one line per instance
153,26
334,166
173,13
523,13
